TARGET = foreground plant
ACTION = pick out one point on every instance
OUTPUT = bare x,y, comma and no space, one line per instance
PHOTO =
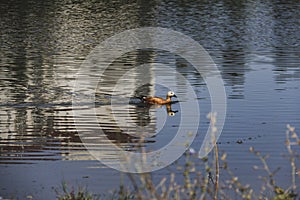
206,184
292,140
200,179
80,194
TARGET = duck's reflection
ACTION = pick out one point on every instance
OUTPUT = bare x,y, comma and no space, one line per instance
169,110
123,125
143,112
140,122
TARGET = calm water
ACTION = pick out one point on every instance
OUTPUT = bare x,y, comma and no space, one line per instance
43,44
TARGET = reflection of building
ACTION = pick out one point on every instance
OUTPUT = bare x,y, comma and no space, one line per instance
43,44
42,47
125,125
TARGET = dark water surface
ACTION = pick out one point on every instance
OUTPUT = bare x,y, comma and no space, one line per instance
255,45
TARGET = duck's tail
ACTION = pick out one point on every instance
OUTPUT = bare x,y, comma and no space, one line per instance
142,98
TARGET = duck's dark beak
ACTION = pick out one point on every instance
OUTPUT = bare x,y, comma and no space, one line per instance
174,95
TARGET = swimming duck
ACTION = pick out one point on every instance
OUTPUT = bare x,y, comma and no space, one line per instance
159,100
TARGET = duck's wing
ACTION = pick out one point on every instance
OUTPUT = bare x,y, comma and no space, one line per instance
154,100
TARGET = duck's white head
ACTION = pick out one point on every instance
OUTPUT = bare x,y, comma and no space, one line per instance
171,94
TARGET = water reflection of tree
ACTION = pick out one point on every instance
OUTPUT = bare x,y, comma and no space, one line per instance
42,46
286,42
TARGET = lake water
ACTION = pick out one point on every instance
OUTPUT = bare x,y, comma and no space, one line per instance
254,44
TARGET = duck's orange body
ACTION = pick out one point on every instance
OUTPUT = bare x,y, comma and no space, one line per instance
159,100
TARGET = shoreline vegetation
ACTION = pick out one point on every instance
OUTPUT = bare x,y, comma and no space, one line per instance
201,179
